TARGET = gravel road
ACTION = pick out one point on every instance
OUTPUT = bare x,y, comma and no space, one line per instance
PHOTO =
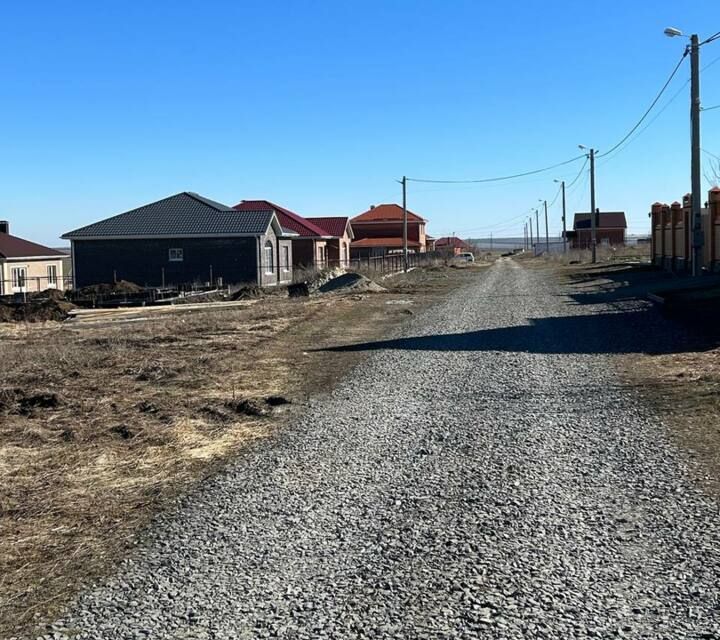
483,476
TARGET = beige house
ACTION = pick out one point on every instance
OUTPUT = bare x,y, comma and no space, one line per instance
27,267
337,250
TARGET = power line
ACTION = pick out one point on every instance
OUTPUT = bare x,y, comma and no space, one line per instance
715,36
650,108
499,178
717,106
576,178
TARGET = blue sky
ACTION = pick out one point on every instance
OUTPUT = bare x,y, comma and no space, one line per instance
320,106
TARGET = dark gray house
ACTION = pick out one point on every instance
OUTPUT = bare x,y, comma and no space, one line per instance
181,240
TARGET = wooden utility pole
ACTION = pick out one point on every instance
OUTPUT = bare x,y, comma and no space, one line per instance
405,224
531,232
537,226
562,186
593,214
547,233
697,238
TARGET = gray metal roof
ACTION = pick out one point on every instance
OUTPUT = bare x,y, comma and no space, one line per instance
184,214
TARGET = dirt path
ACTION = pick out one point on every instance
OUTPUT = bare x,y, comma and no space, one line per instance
482,475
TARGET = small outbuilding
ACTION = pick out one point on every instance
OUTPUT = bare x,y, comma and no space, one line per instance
181,240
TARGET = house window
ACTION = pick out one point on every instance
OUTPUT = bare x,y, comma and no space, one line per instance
52,275
19,277
269,267
175,255
286,258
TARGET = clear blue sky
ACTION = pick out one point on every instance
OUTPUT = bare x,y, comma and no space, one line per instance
320,106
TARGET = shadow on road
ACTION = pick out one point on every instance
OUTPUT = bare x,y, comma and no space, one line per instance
621,332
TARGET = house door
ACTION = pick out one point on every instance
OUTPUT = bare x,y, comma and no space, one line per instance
19,279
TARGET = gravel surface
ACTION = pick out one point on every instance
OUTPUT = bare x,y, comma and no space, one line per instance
484,476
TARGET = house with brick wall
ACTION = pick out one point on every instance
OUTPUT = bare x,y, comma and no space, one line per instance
379,231
610,229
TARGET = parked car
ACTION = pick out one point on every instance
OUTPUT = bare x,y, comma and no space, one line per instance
466,256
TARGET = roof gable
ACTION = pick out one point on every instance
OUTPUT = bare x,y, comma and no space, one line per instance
14,247
386,213
335,226
288,219
184,214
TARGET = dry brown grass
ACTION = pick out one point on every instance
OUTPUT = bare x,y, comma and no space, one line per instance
138,411
685,390
604,254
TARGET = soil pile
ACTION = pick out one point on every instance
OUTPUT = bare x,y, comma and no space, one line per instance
36,310
351,283
118,288
248,292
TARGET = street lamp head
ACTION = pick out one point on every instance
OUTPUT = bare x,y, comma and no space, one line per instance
671,32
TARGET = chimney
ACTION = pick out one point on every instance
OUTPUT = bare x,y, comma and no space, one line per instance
4,226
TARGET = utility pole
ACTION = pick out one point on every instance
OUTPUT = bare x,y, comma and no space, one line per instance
525,236
547,234
562,186
698,240
405,220
491,241
593,214
537,226
531,233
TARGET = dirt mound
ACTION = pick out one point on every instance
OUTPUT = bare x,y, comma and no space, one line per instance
350,283
248,292
36,310
118,288
312,281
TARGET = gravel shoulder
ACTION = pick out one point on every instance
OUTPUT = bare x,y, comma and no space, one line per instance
483,474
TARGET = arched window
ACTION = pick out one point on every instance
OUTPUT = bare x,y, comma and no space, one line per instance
269,266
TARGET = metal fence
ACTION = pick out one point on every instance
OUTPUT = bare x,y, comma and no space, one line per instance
393,262
31,284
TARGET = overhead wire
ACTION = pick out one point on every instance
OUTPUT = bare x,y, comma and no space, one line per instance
715,36
649,109
498,178
618,147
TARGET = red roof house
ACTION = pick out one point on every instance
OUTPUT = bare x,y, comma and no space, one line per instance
338,248
451,244
27,266
309,247
610,227
379,231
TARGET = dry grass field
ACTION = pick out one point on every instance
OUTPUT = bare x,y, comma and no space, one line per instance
685,389
102,424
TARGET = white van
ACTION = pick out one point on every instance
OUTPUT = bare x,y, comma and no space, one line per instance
466,256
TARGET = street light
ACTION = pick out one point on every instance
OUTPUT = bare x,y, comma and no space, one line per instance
693,48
